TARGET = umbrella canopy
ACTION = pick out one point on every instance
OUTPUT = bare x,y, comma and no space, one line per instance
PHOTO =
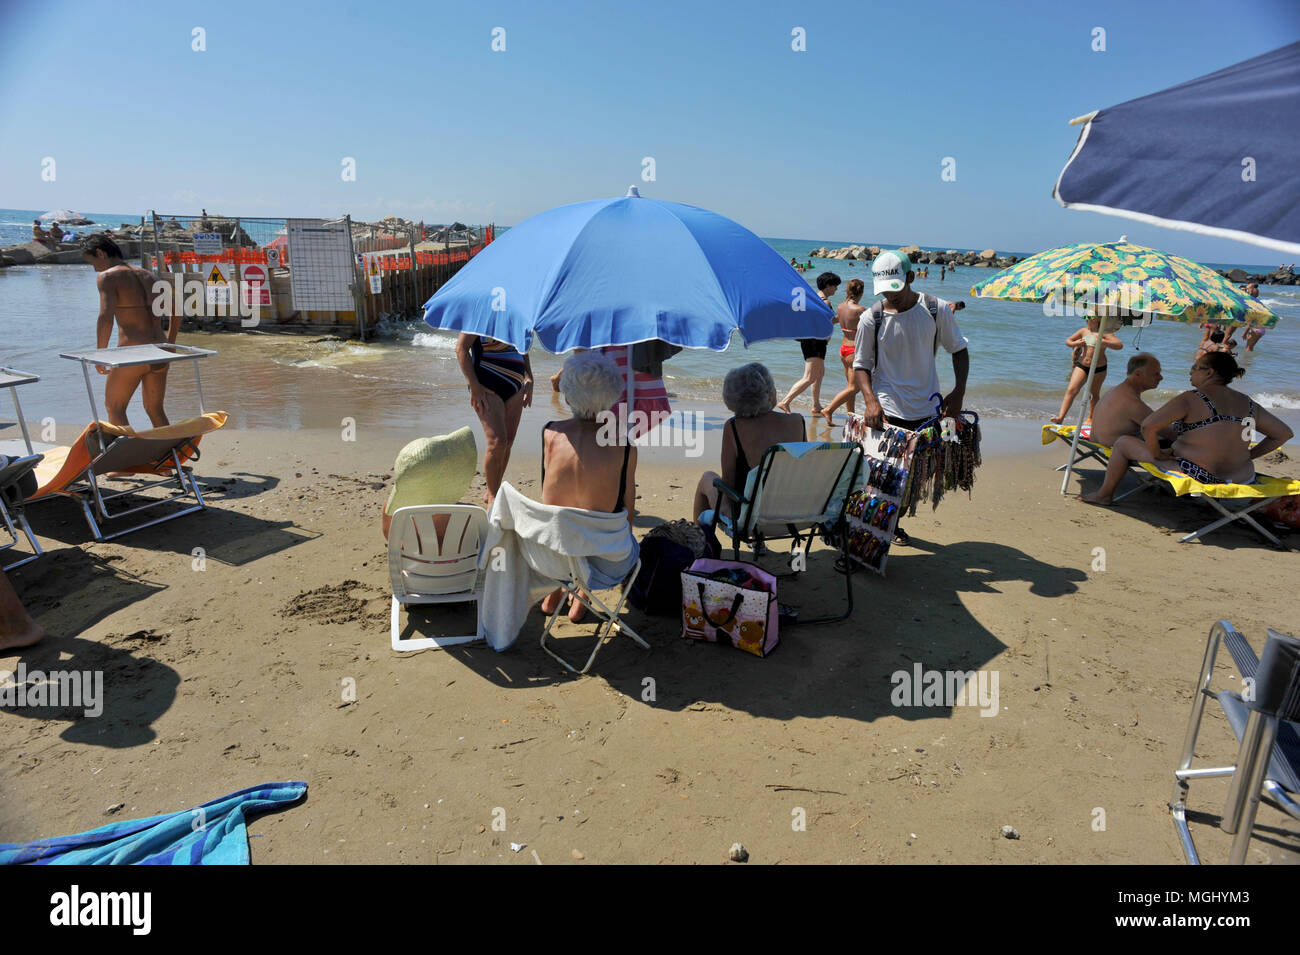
626,270
67,215
1120,275
1112,274
1216,155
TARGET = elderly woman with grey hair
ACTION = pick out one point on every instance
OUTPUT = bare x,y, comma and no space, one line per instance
587,461
750,394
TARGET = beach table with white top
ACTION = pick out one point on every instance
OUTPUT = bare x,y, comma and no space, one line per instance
130,355
12,378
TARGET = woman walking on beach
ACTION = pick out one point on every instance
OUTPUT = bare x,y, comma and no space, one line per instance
847,315
1083,342
500,388
814,352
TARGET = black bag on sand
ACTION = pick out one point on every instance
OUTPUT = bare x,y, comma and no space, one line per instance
657,590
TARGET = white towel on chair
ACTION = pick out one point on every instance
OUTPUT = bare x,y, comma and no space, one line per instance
531,548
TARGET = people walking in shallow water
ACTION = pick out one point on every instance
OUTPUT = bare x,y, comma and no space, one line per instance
814,352
1083,342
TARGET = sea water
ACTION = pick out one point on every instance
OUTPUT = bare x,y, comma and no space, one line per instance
1019,361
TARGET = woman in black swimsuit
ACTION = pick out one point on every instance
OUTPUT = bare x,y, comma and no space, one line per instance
1215,426
587,461
750,394
814,351
1083,341
500,388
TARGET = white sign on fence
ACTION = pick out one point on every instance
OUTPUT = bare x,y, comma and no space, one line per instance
273,258
376,280
322,273
207,243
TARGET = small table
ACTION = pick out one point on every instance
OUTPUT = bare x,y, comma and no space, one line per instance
129,355
11,378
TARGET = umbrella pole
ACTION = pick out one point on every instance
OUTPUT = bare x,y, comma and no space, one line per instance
1087,397
631,393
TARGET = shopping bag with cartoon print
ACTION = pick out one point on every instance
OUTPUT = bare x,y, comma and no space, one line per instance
730,601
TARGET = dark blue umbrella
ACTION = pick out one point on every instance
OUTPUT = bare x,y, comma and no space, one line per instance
627,270
1219,155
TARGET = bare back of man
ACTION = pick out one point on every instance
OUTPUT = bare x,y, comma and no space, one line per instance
1120,411
127,297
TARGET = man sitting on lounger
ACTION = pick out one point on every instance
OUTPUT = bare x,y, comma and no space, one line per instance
1215,425
1121,410
127,294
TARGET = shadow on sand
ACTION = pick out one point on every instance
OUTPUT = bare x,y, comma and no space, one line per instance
838,669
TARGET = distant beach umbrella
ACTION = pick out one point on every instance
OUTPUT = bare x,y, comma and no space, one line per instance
67,215
1131,282
626,270
1219,155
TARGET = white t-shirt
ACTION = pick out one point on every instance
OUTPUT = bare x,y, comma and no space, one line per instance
904,376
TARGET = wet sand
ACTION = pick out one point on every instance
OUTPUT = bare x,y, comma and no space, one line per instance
235,670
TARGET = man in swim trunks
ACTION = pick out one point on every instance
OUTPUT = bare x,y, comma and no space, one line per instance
128,294
1121,410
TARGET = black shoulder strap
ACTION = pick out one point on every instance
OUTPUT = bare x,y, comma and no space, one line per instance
931,305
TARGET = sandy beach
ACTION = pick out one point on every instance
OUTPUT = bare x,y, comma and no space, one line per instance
237,669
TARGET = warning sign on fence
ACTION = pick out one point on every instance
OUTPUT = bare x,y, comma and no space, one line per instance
217,284
376,280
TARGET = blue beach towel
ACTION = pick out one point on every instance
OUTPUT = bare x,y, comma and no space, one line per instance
210,834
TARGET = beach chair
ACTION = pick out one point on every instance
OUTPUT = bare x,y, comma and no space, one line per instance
609,619
424,570
1088,449
1264,719
797,491
1246,498
106,452
13,473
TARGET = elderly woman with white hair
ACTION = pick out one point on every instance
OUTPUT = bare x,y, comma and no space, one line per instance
587,461
750,394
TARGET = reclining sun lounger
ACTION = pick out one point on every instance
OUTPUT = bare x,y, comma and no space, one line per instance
1261,492
1262,718
14,474
110,452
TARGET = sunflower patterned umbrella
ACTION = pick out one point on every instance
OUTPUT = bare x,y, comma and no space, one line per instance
1128,281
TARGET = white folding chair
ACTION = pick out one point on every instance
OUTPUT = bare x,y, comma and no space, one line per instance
425,570
610,621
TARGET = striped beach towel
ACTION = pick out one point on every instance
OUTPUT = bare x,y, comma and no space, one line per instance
649,396
211,834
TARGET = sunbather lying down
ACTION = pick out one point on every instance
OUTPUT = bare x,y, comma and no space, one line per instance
1214,425
586,469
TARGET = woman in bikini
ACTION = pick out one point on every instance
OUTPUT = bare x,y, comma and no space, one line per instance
1083,342
580,466
848,314
500,388
750,394
1214,425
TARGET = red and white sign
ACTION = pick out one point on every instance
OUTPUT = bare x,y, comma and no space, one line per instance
257,285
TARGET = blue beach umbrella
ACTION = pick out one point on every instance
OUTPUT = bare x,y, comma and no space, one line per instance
1218,155
627,270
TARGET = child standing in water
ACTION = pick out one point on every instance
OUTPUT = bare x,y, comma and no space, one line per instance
1083,342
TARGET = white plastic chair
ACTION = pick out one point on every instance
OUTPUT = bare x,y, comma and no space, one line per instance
424,571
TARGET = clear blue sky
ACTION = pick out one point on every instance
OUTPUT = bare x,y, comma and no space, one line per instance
842,142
